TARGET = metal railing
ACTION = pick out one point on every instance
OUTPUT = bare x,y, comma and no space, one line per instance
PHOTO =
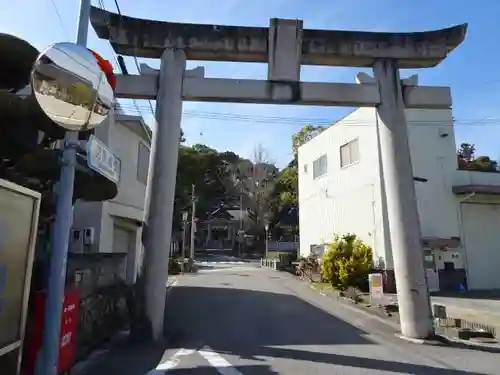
269,263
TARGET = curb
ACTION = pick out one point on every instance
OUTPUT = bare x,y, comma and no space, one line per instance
439,340
436,341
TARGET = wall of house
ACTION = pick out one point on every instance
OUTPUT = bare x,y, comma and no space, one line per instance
124,143
126,209
350,199
90,214
345,199
433,155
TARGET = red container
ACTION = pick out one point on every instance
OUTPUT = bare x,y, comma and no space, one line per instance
69,326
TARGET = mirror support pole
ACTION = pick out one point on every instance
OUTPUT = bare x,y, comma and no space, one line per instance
405,237
60,233
161,185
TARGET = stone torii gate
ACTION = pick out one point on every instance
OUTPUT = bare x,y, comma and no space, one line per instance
284,46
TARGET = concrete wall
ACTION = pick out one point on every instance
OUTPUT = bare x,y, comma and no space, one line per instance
350,199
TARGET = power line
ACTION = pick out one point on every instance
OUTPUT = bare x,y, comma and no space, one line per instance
220,116
276,120
134,56
108,24
56,8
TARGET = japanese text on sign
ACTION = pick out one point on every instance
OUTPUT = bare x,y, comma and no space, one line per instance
100,159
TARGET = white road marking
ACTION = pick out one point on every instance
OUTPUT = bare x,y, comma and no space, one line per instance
171,362
214,359
171,284
218,362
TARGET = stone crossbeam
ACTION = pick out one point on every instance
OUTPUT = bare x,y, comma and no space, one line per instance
265,92
147,38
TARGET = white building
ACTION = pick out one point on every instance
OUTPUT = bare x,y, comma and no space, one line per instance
340,191
116,225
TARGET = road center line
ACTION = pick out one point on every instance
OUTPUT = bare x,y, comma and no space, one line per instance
218,362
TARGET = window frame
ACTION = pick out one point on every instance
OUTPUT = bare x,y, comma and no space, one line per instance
350,153
317,163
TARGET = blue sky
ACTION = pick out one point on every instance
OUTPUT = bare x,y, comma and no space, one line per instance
472,71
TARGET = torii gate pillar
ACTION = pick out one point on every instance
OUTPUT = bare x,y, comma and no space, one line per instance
404,224
161,185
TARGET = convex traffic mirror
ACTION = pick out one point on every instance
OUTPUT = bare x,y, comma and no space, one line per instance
71,88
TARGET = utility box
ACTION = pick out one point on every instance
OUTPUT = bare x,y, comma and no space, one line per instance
19,209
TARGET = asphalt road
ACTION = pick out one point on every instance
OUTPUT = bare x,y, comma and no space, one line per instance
235,318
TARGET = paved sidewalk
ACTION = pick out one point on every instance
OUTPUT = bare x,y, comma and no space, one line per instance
472,310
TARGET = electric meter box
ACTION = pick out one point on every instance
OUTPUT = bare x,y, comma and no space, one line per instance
19,209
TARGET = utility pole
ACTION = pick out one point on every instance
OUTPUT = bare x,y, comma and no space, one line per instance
241,236
241,210
193,222
183,249
61,231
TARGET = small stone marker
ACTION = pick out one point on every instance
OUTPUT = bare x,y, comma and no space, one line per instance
376,287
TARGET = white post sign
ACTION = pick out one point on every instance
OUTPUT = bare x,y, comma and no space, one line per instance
103,161
376,286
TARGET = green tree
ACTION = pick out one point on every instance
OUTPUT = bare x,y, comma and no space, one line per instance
205,168
467,160
304,135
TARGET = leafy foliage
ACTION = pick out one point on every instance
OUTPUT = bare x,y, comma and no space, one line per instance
304,135
346,262
467,160
203,167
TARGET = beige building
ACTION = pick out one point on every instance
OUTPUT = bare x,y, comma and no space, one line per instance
115,227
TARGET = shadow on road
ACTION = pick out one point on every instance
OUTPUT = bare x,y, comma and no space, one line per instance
126,359
250,324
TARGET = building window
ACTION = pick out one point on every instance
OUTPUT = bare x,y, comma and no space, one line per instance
143,163
320,166
349,153
305,168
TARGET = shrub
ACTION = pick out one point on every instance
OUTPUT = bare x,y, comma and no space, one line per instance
347,261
